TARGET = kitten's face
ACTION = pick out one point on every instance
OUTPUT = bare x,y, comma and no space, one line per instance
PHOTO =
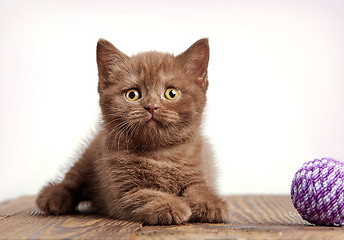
152,99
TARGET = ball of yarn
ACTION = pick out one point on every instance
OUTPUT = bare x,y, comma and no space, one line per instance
317,192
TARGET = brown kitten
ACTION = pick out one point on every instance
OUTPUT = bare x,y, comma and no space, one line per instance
149,162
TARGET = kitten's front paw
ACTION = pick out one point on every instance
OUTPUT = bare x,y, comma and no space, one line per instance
215,211
54,199
165,212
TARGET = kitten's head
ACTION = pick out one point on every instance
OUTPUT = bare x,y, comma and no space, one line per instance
152,99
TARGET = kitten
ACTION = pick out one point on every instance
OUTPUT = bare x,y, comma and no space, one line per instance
149,162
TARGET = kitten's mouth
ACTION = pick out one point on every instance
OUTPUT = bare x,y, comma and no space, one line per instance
152,119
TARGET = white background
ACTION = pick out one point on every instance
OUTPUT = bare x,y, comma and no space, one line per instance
276,82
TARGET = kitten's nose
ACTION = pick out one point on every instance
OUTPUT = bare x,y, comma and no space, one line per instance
152,107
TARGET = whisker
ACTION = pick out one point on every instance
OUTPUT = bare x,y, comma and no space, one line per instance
117,127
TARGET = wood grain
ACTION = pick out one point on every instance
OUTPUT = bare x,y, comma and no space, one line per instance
22,220
252,217
9,208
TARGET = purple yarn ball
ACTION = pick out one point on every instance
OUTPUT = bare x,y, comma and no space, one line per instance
317,192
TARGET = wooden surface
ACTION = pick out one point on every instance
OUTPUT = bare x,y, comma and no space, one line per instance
252,217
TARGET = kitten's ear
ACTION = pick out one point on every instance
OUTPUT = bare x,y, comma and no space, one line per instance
195,59
107,57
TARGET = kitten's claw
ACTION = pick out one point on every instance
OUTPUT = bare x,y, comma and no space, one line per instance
54,199
164,213
213,212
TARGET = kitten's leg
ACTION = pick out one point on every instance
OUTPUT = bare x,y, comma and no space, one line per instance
205,204
153,207
63,197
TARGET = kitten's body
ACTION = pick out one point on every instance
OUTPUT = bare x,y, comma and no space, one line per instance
149,163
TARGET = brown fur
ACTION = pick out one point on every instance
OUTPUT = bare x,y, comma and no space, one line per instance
150,171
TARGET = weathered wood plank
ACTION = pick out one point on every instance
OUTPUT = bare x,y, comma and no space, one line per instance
24,226
208,231
263,210
9,208
32,224
252,217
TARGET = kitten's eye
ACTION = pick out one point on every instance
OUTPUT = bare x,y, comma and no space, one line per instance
171,93
132,95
